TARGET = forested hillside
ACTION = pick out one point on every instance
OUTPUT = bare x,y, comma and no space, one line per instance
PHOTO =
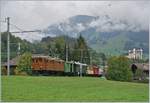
54,47
25,46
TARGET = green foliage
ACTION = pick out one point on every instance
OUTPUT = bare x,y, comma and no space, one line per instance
104,42
97,58
140,60
54,47
3,71
140,75
107,46
60,48
24,63
25,46
71,89
81,52
119,69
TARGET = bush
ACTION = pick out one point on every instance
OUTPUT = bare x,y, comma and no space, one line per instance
18,72
4,71
24,64
140,75
119,69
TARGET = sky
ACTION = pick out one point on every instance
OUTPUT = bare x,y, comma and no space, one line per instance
32,15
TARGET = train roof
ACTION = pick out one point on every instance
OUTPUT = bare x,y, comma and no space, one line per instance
13,62
46,57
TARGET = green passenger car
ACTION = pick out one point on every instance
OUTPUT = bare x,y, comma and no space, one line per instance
68,67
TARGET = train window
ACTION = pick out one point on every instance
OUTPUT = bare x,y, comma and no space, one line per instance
40,59
52,61
37,60
34,60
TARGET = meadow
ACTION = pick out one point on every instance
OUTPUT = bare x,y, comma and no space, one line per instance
71,89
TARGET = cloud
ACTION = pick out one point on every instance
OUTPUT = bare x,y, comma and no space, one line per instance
30,15
31,37
107,24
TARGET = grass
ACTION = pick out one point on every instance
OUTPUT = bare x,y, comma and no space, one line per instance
45,89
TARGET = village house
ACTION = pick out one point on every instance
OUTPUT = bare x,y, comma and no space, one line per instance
135,54
13,64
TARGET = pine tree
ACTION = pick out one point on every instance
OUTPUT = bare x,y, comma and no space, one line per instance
81,52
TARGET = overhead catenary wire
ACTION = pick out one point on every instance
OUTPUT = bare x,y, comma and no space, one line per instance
23,31
8,40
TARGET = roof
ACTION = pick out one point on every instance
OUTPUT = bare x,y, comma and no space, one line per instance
13,62
77,63
143,66
47,57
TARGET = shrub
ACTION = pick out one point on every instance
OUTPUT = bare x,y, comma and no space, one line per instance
140,75
119,69
24,64
18,72
4,71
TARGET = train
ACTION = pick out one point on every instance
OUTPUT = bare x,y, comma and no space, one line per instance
46,65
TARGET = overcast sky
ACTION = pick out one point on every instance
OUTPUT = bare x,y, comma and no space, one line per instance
29,15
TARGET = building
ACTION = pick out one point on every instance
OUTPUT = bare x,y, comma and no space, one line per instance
13,65
144,67
135,54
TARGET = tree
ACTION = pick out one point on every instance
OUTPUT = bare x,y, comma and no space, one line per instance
119,69
25,46
103,59
60,47
24,63
81,52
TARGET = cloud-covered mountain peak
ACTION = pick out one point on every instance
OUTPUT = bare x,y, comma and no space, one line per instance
83,19
79,23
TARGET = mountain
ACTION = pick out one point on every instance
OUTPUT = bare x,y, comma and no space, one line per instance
70,27
102,33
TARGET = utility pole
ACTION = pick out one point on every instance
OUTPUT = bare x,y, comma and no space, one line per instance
80,70
81,57
91,60
8,47
66,48
66,52
18,48
81,62
8,42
